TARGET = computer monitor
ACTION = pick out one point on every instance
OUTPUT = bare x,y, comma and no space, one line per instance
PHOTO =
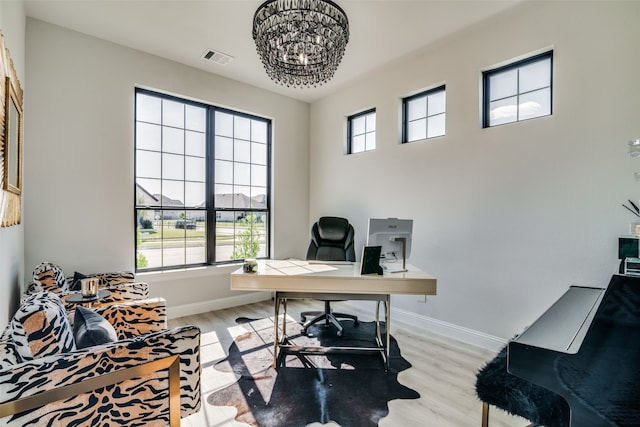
391,234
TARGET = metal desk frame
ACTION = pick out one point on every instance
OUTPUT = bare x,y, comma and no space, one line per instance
281,342
297,279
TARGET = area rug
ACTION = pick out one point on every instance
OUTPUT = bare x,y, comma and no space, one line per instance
350,390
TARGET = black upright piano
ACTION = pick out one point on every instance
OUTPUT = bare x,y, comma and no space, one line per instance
586,348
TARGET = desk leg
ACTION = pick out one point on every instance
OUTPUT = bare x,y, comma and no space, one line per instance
387,315
284,320
279,300
378,331
377,319
276,339
386,344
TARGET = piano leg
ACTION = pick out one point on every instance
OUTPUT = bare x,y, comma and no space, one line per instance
485,414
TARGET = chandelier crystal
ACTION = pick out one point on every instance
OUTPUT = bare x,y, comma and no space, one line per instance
300,42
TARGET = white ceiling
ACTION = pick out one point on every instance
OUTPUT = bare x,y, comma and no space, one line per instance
181,30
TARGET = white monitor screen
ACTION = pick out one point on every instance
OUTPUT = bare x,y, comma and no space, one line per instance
384,231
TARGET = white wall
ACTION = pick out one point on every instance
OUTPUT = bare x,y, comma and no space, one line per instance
12,25
79,149
506,218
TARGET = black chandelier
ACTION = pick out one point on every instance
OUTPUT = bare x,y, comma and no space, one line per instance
300,42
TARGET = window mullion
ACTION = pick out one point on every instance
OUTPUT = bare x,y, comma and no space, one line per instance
210,186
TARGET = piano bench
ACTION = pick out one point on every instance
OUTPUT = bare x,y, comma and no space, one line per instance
495,386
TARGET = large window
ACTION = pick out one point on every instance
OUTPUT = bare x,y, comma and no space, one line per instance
201,183
361,132
518,91
424,115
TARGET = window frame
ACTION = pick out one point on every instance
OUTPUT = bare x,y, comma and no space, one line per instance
405,116
350,135
486,75
211,211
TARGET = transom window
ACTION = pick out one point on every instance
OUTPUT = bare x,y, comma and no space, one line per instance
201,183
361,132
424,115
518,91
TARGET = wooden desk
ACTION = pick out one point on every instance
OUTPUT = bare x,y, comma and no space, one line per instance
293,279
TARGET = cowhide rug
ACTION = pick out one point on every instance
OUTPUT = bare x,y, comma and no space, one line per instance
348,389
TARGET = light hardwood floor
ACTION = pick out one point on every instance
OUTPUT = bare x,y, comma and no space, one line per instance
443,370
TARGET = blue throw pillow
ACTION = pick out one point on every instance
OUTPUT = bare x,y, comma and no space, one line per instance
90,328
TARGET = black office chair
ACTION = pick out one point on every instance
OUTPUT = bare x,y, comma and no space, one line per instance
331,240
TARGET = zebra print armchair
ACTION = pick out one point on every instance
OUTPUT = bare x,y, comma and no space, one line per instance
148,376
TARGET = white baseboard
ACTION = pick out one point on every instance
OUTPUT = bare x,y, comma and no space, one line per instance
411,320
217,304
405,318
460,333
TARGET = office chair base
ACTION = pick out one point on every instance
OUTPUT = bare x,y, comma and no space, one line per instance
329,318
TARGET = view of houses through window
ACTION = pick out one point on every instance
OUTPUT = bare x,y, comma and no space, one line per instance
201,183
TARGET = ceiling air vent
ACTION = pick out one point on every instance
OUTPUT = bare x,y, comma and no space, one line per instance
217,57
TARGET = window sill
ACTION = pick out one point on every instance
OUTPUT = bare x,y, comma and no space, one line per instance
187,273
